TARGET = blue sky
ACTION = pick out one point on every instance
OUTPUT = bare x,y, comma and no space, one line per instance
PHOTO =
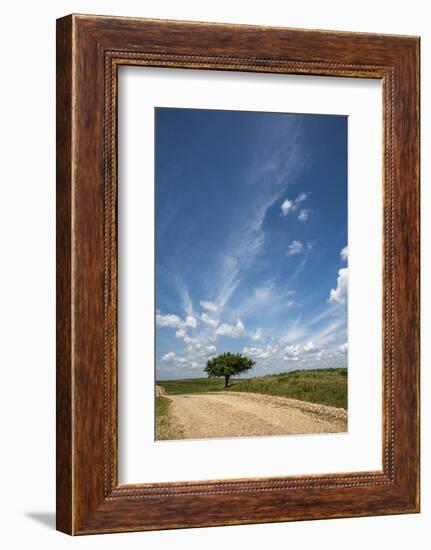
251,240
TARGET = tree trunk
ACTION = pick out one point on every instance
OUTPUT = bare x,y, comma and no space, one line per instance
226,381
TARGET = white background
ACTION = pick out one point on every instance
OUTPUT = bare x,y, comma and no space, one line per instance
141,458
27,125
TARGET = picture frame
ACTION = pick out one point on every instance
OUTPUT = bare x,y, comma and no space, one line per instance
89,51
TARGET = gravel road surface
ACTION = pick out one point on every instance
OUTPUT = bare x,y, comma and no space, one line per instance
230,414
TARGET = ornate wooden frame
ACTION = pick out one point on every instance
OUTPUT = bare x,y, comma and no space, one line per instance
89,51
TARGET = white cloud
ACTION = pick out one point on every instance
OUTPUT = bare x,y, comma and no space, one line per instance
286,207
309,347
230,330
296,247
209,320
169,320
339,294
194,364
304,215
257,335
194,346
344,254
290,206
210,350
344,347
209,306
168,357
200,346
292,353
190,321
260,353
296,352
173,321
301,198
181,333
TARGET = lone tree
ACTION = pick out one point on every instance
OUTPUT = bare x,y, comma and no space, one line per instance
227,365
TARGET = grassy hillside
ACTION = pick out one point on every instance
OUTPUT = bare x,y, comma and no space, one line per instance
326,386
192,385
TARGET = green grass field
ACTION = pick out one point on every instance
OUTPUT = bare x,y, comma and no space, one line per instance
326,386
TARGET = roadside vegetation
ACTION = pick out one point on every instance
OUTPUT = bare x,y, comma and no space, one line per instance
166,428
323,386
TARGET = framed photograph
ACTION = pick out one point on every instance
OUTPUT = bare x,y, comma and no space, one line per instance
237,274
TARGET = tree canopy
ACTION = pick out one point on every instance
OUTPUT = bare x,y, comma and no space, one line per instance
227,365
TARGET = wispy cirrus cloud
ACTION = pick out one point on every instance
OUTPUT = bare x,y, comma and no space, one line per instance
209,306
239,269
295,247
303,215
278,166
210,321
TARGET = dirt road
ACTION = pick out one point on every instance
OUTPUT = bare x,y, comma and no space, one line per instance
229,414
